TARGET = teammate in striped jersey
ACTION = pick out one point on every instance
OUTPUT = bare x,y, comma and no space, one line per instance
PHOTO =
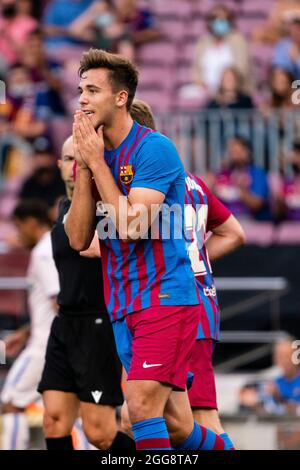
204,214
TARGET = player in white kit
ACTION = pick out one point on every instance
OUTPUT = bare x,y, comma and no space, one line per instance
20,388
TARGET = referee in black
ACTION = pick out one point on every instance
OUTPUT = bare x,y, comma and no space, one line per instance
82,373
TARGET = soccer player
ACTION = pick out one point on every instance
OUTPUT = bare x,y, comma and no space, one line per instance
204,214
20,388
149,286
82,370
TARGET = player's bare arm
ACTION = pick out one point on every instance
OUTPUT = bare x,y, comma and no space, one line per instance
141,205
225,238
80,221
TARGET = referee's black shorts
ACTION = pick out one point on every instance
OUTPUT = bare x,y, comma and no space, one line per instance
81,358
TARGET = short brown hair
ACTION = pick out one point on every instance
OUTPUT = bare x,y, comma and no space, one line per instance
123,74
142,113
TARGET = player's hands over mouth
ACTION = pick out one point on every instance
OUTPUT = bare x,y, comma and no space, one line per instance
88,143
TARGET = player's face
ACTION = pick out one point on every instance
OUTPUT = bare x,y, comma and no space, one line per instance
66,163
97,98
26,230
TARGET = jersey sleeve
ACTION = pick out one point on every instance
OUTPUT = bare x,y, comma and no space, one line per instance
157,165
46,271
217,212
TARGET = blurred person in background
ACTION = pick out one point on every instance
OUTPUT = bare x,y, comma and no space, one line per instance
16,22
230,94
20,388
102,25
280,396
289,189
222,47
20,123
275,109
139,20
287,51
280,91
45,183
45,74
242,186
58,16
275,26
23,117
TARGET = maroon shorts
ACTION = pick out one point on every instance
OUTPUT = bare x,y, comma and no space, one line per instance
203,390
162,343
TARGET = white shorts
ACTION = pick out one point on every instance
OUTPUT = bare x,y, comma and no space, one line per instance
20,387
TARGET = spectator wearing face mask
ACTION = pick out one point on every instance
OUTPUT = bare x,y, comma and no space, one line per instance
15,26
61,41
221,48
102,25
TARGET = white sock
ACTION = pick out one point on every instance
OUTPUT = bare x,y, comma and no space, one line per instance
15,431
81,442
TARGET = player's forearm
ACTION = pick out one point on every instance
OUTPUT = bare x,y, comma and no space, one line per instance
226,238
219,246
80,221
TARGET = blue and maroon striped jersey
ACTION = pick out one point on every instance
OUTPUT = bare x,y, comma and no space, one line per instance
203,212
154,271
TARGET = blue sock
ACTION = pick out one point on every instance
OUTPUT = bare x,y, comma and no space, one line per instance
202,438
151,434
228,442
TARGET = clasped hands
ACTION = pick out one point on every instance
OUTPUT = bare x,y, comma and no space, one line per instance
88,143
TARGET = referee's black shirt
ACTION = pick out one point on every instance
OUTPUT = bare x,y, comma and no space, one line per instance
80,278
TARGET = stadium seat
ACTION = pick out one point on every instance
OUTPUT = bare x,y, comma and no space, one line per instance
171,7
258,233
288,233
172,28
158,52
159,100
156,76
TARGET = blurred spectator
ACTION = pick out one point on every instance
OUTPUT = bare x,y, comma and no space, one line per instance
287,50
280,90
230,94
16,23
242,186
21,98
45,183
289,192
57,19
280,396
275,27
101,24
45,74
274,109
139,20
221,48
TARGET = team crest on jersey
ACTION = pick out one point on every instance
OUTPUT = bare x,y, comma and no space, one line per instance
126,174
